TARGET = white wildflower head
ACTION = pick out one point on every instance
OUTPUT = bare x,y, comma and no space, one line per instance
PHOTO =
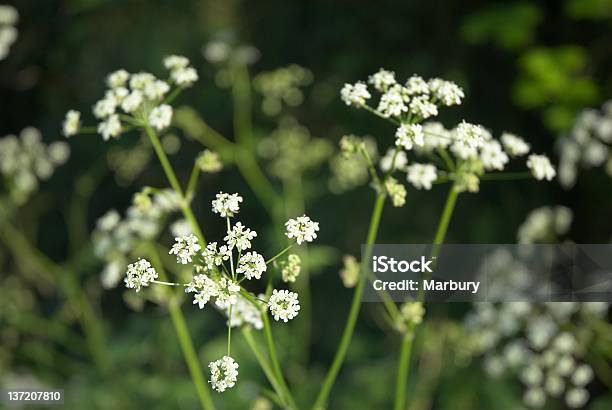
540,167
291,269
422,107
117,79
215,257
400,158
72,123
185,248
283,305
382,80
422,176
411,314
226,205
396,191
240,237
110,128
393,102
302,228
160,117
244,312
469,135
447,92
140,274
409,135
416,85
350,271
514,145
576,398
132,101
355,94
203,288
181,73
493,156
251,265
223,374
227,292
208,161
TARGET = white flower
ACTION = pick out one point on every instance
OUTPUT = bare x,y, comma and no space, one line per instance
209,161
204,288
105,107
184,77
174,62
396,191
181,227
252,265
554,385
401,160
110,128
302,228
215,257
117,79
470,135
408,135
160,117
436,136
540,167
291,269
72,123
492,156
576,398
447,92
422,107
245,312
156,90
226,205
139,81
463,151
108,221
392,103
240,237
416,85
132,102
534,397
582,375
283,305
140,274
422,175
382,80
185,248
223,374
228,292
355,94
514,145
532,375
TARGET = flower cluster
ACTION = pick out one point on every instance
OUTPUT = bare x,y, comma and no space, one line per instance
588,144
136,100
282,85
546,224
115,238
209,161
220,268
291,150
8,32
25,160
461,155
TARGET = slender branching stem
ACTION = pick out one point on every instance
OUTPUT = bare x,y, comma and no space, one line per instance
349,328
278,255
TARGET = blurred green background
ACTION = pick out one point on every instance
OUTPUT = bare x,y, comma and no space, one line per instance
527,67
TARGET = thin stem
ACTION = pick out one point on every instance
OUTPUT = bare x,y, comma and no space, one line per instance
402,371
180,327
172,96
354,312
371,167
231,256
406,348
379,114
506,176
274,359
229,330
161,282
193,182
278,255
263,363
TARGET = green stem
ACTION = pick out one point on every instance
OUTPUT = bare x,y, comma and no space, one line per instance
180,327
278,255
354,312
193,182
263,363
506,176
402,371
274,359
406,348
